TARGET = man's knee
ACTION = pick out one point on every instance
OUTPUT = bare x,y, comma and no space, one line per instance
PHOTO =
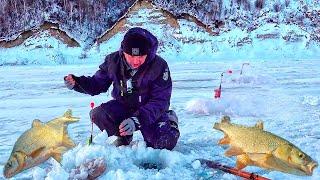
100,119
115,110
97,114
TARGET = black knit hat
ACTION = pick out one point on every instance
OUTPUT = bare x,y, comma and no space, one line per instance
135,44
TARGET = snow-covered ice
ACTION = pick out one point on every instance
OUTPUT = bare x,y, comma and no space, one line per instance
282,93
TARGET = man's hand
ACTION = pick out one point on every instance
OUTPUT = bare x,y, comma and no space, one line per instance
69,81
127,127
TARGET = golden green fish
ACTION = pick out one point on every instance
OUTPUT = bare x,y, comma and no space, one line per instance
39,143
254,146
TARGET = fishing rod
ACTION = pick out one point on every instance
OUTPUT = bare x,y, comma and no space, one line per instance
217,92
90,140
91,136
232,170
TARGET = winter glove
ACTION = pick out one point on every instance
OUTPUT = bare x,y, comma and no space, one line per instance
69,81
128,126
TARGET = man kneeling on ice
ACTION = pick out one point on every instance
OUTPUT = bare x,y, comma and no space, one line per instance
141,90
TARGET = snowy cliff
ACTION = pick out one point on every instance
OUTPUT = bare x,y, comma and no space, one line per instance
187,30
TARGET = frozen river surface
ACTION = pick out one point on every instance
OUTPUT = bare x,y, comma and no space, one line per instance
284,94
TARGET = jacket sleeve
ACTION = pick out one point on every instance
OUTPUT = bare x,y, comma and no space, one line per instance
96,84
159,101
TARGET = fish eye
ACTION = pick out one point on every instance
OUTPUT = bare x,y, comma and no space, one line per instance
301,155
9,164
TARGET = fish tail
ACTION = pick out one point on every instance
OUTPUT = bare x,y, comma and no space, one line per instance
66,119
225,119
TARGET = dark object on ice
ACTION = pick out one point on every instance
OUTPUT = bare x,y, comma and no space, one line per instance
242,67
149,165
122,141
231,170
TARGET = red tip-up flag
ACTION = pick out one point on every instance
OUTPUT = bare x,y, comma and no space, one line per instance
92,105
217,93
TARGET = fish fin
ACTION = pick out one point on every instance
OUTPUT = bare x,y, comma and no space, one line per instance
269,159
67,141
37,152
259,125
233,151
68,114
57,153
216,126
69,118
36,123
271,162
224,140
274,163
225,119
57,157
243,161
258,156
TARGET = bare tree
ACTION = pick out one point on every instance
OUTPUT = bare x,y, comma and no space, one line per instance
259,4
3,4
277,6
287,2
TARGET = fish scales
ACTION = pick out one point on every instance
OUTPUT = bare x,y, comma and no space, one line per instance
252,139
253,146
39,143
